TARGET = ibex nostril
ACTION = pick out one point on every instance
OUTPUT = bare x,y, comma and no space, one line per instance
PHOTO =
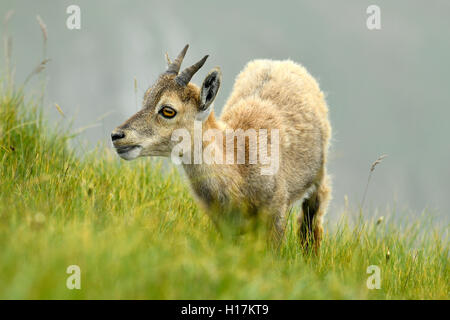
117,135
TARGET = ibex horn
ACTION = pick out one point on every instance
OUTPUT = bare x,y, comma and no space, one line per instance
186,75
174,67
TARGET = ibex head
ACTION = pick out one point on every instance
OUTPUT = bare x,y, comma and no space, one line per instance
171,103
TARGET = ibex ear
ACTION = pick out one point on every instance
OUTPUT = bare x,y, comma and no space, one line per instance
209,91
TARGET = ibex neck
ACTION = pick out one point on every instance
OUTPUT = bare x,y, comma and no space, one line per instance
213,183
212,123
203,136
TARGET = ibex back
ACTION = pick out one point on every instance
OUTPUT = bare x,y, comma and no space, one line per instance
268,96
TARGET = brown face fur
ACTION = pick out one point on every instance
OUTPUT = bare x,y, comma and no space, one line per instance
148,133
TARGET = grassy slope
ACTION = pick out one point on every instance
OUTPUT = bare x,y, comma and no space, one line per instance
138,234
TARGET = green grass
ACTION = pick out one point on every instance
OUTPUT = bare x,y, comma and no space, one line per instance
136,233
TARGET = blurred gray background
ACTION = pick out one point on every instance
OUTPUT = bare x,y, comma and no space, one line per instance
388,90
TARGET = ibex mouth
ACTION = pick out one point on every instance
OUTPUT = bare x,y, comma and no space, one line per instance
129,152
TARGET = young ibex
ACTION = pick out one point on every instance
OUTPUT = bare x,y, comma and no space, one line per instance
271,95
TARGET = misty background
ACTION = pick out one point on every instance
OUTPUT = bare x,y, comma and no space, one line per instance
388,90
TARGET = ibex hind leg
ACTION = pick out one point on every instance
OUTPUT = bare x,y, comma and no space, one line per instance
313,209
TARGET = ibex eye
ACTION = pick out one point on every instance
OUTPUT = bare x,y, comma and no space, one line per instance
167,112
